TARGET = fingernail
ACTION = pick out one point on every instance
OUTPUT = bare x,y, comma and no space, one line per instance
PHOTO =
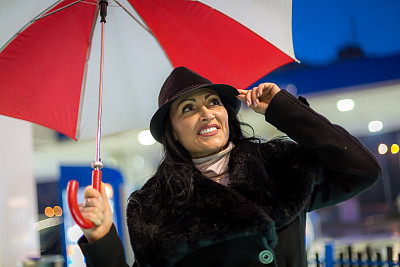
248,103
99,198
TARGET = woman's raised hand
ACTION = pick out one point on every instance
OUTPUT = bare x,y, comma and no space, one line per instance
96,209
259,97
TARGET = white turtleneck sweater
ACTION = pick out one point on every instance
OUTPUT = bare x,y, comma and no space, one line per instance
215,166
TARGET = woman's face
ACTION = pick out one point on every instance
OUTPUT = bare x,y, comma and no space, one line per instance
200,122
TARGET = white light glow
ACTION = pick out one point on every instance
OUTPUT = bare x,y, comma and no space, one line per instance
145,138
138,162
46,223
74,233
345,105
109,190
382,149
375,126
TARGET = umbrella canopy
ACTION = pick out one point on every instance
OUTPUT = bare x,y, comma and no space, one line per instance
50,50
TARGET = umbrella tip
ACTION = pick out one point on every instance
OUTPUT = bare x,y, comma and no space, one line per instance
103,10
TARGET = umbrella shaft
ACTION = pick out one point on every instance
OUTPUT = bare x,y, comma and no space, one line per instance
100,95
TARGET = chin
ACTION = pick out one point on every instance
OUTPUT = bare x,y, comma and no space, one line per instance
215,148
211,147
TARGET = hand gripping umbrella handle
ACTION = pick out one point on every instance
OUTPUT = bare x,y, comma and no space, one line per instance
72,192
72,187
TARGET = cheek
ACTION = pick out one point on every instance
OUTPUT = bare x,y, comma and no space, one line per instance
175,128
177,131
181,130
226,123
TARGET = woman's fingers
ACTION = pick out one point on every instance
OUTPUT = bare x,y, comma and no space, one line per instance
250,97
93,202
255,93
243,96
92,207
258,98
90,192
93,210
94,215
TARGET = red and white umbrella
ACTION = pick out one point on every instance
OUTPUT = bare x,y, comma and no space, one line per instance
50,50
49,69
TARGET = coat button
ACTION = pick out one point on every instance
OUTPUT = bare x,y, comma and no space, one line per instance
265,257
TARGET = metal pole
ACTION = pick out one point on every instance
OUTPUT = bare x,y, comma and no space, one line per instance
103,13
98,139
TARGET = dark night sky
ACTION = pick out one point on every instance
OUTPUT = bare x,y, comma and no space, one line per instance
322,28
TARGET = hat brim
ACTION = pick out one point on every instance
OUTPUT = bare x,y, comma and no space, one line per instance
226,92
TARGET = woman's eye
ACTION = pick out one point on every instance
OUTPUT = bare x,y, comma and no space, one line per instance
187,108
215,102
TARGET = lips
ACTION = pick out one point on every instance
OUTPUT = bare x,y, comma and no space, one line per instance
206,129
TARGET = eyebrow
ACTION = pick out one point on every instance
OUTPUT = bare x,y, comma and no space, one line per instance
193,99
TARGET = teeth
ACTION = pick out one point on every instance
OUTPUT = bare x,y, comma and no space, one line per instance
208,130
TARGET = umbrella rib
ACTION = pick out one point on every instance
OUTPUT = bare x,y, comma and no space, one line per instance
26,26
40,16
91,3
132,16
55,11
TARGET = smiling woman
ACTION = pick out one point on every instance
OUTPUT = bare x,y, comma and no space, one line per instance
219,198
200,122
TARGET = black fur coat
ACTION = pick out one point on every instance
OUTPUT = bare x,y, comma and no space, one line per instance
267,189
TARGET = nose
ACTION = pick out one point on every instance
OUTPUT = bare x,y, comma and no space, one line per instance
206,114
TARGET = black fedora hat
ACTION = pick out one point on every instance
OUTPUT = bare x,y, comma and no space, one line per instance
181,81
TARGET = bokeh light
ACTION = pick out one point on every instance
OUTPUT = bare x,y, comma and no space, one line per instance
138,162
394,149
145,138
345,105
58,211
49,212
382,149
375,126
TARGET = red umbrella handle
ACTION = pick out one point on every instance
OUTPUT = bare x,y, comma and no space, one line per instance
72,192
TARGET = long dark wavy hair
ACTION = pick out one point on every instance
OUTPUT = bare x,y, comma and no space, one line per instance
176,170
